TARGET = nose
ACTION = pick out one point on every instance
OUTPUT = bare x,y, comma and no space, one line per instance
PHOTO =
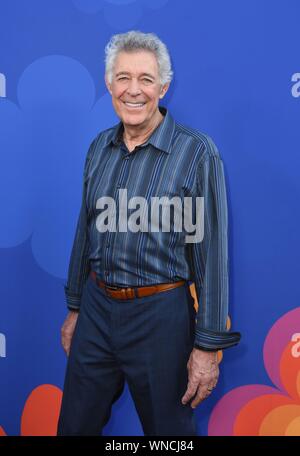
133,88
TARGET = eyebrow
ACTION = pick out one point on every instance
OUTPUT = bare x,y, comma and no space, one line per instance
126,72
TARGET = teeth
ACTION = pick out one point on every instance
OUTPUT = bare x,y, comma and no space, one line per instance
134,104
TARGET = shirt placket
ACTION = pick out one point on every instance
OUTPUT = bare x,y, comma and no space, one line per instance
110,236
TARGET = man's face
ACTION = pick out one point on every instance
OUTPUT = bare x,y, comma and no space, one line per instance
136,87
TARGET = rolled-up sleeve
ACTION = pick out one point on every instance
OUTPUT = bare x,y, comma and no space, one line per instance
210,256
79,260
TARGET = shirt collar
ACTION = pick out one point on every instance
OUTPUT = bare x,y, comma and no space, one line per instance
161,138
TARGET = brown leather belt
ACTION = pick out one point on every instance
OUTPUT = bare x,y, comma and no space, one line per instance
134,292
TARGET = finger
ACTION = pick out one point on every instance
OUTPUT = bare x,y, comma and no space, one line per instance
211,387
65,348
65,344
190,392
200,398
203,392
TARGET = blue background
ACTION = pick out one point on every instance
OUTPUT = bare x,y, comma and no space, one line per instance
233,63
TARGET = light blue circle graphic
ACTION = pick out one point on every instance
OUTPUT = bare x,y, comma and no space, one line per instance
56,120
119,14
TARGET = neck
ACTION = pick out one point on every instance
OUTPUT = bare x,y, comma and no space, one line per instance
135,135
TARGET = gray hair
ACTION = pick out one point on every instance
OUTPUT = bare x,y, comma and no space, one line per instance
135,40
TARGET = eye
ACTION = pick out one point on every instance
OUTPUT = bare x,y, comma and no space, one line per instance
122,78
147,80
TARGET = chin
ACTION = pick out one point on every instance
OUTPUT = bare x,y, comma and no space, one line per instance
132,119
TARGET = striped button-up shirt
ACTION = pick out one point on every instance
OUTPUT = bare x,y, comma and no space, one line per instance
175,161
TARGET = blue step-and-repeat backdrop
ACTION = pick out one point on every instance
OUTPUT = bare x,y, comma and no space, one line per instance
237,78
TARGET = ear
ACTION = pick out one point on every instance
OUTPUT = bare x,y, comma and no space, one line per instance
108,84
164,90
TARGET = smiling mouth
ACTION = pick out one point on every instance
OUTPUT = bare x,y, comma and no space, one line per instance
133,105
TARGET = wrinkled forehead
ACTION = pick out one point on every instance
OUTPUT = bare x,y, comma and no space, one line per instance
136,63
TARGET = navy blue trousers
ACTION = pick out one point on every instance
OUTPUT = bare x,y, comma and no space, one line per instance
143,341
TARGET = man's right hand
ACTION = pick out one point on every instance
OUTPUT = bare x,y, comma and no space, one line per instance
67,330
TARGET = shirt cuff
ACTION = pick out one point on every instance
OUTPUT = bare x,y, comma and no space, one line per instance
73,309
73,300
212,350
207,339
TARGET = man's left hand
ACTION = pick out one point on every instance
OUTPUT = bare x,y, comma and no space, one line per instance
203,372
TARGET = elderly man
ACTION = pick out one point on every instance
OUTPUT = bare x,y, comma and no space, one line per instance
131,314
